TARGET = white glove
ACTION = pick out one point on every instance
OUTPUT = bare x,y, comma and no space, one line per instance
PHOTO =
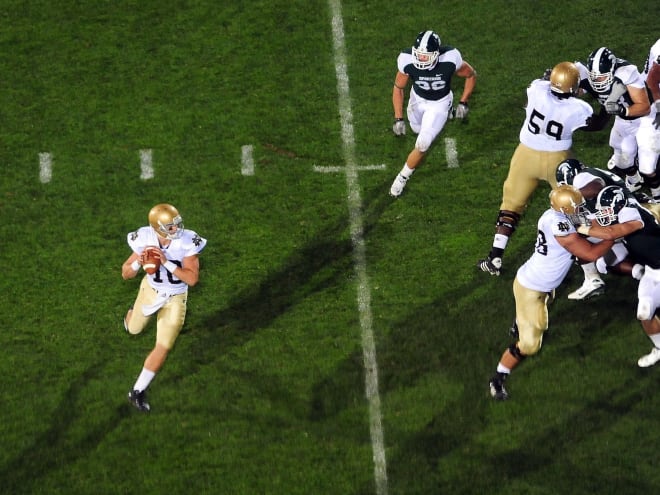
638,271
584,229
656,122
399,127
461,110
614,108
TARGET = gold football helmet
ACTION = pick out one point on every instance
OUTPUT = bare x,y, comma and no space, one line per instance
166,221
569,201
565,79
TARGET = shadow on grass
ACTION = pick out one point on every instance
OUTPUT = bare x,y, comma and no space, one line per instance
58,446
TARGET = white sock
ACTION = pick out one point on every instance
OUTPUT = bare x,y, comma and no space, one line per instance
590,271
407,171
500,241
503,369
144,379
655,338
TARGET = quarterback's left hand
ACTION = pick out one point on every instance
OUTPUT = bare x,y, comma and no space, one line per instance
461,110
614,108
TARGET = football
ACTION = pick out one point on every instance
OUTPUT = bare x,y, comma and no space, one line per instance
151,261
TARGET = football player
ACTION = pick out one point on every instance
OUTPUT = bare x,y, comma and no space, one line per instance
557,242
648,134
590,181
163,293
429,66
553,113
616,219
619,87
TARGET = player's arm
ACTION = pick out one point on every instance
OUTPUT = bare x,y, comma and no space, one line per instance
640,105
400,82
581,248
131,266
597,122
611,232
188,272
470,75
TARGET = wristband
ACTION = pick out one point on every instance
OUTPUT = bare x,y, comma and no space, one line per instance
584,230
398,119
136,266
657,105
170,266
463,103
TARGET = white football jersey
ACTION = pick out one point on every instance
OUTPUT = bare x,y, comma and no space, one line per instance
189,244
550,121
653,58
545,270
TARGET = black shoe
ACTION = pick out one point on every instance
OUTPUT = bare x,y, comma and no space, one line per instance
490,265
497,390
139,400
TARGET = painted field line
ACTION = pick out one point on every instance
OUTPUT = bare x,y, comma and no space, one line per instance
146,164
359,250
451,153
247,161
45,167
333,170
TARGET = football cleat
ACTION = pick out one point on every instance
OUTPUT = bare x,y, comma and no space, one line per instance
139,400
496,385
649,359
590,288
490,265
398,185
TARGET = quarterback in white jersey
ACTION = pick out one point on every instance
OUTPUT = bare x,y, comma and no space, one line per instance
164,292
557,242
552,114
648,134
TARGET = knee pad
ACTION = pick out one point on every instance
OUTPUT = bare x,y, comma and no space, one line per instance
508,219
645,309
423,143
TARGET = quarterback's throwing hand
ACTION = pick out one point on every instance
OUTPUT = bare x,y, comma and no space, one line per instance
462,110
399,127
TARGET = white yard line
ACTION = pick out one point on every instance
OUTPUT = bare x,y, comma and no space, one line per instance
451,153
332,170
146,164
359,254
45,167
247,161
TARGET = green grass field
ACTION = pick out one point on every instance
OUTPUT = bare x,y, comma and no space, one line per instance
265,391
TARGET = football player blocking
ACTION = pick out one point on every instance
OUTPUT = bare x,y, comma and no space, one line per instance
164,291
430,66
557,243
552,114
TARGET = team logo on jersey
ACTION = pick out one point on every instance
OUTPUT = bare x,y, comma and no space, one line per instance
196,240
563,226
134,235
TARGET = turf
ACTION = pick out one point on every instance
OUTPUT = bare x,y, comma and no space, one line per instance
264,392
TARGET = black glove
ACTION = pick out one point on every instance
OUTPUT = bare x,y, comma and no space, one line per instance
546,74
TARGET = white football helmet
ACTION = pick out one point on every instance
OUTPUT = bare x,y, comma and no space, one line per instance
601,65
426,50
